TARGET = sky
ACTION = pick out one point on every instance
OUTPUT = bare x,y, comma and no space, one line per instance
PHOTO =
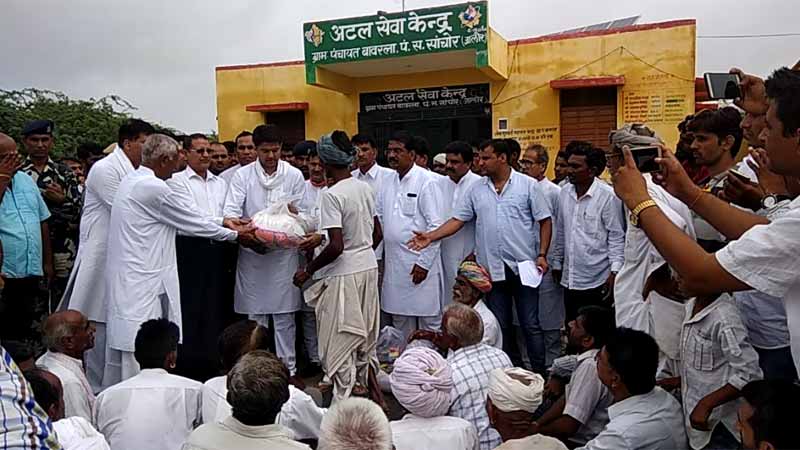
160,55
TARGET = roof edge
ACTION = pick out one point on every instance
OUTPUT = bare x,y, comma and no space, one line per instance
259,65
628,29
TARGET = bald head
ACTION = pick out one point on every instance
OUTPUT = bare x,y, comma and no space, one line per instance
68,332
7,145
463,323
48,391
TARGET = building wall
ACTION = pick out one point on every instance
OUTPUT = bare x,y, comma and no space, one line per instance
525,99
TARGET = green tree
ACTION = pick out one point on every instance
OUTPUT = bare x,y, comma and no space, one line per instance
77,121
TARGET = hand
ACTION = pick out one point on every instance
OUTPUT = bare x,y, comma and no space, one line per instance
673,177
418,274
557,276
771,182
743,193
10,163
541,263
240,224
293,209
419,242
754,94
49,274
300,277
629,183
699,417
55,194
310,242
423,335
609,287
669,384
248,239
554,388
471,257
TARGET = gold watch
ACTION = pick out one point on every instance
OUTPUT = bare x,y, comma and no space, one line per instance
634,218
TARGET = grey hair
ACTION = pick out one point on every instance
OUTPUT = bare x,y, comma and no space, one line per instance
258,386
355,424
464,323
52,336
157,146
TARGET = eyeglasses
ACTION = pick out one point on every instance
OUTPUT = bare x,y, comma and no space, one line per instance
245,147
199,151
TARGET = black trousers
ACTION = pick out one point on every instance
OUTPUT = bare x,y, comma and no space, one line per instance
576,299
206,282
23,307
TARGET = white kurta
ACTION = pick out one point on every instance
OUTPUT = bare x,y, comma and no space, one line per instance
434,433
78,396
264,282
404,206
460,245
77,433
205,194
141,263
376,177
85,291
153,410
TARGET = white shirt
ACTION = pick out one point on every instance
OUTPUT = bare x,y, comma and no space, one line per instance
765,258
376,177
264,282
652,421
714,352
590,241
228,173
658,316
404,206
231,434
206,194
457,247
76,433
78,395
85,291
433,433
300,414
350,206
141,264
153,410
492,334
587,399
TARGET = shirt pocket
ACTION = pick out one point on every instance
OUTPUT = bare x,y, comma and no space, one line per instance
592,224
408,205
704,356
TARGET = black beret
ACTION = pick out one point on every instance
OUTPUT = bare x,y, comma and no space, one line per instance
38,127
304,148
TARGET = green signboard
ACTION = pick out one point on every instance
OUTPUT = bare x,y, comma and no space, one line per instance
430,30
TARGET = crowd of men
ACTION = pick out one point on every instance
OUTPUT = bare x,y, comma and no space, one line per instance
139,308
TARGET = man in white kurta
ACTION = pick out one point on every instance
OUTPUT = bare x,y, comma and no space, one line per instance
412,280
264,281
345,297
85,290
142,273
245,154
453,187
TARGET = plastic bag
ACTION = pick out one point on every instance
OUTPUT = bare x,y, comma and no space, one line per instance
391,343
277,227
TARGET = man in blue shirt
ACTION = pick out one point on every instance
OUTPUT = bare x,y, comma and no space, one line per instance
505,205
26,249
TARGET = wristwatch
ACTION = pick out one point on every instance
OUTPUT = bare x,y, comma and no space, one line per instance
770,200
634,218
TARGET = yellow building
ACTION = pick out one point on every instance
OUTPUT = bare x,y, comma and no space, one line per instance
445,74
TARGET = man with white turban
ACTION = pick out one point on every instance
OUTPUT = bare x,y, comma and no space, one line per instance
514,395
422,382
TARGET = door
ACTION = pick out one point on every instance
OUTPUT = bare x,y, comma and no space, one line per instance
588,115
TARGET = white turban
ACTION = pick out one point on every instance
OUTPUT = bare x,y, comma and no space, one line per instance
508,393
422,381
441,158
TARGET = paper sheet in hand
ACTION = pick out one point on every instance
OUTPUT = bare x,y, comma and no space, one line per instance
529,274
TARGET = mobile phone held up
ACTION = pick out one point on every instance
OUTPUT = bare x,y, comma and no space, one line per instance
723,86
645,158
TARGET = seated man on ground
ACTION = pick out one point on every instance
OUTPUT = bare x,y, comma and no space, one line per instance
767,417
258,386
473,282
581,413
643,416
67,335
514,394
471,362
355,424
300,414
73,433
422,382
153,410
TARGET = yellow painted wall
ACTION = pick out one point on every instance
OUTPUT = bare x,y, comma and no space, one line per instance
526,98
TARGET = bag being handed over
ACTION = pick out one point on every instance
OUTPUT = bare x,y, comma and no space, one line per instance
278,227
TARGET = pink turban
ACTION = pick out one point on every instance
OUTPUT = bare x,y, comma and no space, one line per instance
476,275
421,381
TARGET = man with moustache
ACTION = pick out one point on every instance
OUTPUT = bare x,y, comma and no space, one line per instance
245,154
219,158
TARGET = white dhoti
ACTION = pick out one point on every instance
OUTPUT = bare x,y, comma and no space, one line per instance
120,365
347,325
